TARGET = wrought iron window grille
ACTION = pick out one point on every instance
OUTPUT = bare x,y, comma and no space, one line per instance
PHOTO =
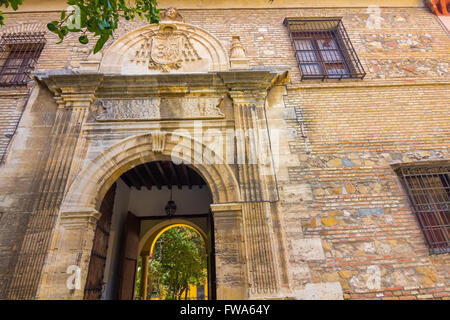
19,53
428,190
323,49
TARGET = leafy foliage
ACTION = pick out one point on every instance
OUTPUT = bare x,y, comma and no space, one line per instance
13,3
179,261
99,18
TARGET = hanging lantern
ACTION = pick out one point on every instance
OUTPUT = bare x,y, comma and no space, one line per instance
171,207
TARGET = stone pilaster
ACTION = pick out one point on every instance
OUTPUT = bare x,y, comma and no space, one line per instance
231,264
257,182
74,99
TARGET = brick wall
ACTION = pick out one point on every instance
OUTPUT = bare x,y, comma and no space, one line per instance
12,102
355,131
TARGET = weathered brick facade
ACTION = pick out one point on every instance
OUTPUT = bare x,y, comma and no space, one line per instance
339,195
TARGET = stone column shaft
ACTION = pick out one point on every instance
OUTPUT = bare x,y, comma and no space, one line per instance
144,277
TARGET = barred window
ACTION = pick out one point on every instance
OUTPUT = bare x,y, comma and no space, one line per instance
323,49
428,190
18,57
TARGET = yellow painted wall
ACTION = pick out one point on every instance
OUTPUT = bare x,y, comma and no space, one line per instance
48,5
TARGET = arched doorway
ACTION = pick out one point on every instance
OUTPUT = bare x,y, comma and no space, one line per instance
143,202
71,247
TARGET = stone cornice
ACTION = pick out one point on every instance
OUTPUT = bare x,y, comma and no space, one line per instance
75,89
255,79
71,90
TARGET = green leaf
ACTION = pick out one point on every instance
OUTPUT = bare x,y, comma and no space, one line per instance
100,43
52,26
83,39
64,30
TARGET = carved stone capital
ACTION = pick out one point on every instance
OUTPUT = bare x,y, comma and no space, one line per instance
221,209
247,99
79,218
77,100
71,90
256,81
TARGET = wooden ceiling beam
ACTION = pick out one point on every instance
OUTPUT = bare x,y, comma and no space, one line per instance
143,177
139,176
130,174
198,180
175,175
126,180
187,175
153,180
163,174
167,174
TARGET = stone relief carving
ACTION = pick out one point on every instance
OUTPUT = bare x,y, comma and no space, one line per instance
194,107
158,109
166,49
171,14
238,57
129,109
170,46
158,141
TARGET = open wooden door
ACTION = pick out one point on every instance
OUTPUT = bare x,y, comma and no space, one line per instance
129,256
94,282
211,260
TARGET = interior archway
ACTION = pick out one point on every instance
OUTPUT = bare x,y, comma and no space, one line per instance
155,263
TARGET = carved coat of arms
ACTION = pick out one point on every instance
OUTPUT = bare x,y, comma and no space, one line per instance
166,50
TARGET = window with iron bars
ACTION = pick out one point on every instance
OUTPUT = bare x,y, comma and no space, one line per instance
323,49
18,57
428,190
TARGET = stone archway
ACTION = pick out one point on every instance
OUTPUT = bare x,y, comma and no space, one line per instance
98,176
74,233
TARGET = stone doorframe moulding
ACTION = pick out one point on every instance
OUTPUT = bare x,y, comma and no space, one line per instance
74,233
